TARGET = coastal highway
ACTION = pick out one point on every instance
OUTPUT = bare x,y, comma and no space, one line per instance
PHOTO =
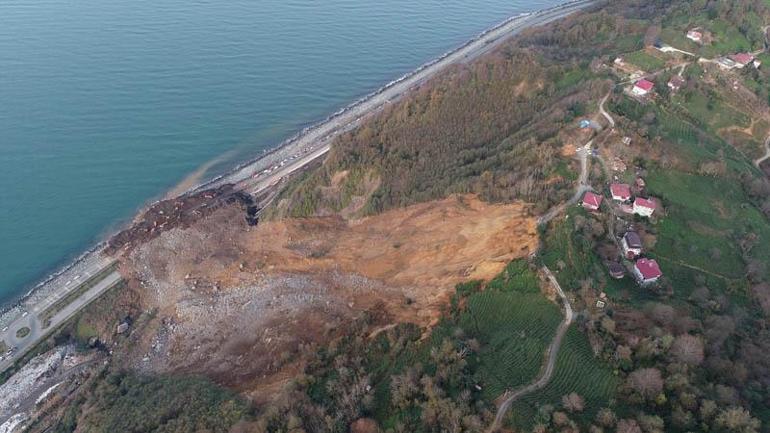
263,174
316,141
72,279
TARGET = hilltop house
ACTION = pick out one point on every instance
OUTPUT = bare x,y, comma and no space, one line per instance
631,244
592,201
695,35
642,87
647,271
644,207
620,192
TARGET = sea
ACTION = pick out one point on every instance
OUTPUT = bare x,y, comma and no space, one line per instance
106,105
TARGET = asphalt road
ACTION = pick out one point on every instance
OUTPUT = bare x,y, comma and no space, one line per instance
253,178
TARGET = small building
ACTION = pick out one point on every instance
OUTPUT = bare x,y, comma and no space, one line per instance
675,83
642,87
627,140
620,192
742,59
695,35
600,304
644,207
616,270
592,201
726,63
631,244
640,183
585,124
647,271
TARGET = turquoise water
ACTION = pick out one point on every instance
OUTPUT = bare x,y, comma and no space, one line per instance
106,104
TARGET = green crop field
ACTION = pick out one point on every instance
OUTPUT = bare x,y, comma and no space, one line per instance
577,370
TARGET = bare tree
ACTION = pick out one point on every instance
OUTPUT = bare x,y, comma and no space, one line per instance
573,402
648,382
628,426
688,349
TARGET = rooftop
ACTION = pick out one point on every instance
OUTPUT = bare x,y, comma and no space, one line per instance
645,85
648,268
633,240
592,199
643,202
620,190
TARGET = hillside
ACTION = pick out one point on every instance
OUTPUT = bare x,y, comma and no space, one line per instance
402,285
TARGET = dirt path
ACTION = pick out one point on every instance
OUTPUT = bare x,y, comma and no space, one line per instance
551,354
759,161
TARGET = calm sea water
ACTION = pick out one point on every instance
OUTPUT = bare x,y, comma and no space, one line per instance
106,104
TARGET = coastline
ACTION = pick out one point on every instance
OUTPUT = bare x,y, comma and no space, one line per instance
321,133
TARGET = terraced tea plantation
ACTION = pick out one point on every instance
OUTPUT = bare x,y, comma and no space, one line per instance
515,330
577,370
514,323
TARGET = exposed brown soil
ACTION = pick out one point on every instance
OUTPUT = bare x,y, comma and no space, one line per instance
172,213
244,305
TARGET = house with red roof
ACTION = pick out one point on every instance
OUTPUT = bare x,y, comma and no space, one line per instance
620,192
642,87
644,207
742,59
647,271
631,244
592,201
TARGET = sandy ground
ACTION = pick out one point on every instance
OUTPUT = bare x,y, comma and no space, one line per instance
244,305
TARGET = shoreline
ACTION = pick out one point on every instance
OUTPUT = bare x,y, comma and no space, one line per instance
276,157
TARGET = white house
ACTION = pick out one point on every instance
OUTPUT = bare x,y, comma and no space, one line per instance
620,192
631,244
695,35
644,207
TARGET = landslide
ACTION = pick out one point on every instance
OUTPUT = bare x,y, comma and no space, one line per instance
246,305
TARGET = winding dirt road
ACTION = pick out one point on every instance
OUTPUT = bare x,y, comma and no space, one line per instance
759,161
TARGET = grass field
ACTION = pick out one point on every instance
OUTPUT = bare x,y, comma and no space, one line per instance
687,142
706,217
645,61
711,111
577,370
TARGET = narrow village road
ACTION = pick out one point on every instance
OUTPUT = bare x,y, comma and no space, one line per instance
553,349
607,115
552,354
582,186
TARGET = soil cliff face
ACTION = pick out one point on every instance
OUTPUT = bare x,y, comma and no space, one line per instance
245,304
